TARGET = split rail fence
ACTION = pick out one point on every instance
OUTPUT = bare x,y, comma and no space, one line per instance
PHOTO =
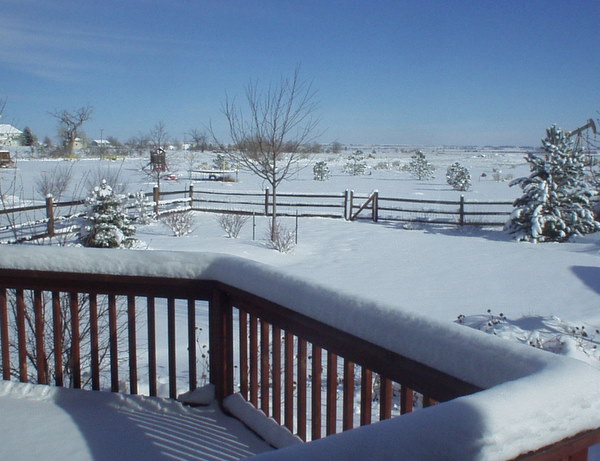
41,221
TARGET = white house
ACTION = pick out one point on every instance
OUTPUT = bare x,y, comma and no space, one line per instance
9,135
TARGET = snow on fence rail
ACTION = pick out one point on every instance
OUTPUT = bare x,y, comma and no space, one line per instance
313,359
31,223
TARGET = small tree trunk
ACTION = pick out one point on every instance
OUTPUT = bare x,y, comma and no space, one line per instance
274,214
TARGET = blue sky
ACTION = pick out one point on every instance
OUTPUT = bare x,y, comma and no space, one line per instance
397,72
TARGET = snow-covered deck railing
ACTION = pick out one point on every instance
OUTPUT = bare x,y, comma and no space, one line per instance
290,348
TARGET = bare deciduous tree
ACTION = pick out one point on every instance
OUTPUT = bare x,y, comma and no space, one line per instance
268,131
199,140
69,125
158,136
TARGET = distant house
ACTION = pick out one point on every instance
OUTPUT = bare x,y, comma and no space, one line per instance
9,135
79,143
101,142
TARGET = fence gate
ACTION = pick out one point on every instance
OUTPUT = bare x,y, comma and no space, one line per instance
372,203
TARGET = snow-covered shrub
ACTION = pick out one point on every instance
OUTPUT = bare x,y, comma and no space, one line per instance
180,223
458,177
321,171
220,162
282,239
143,207
419,167
556,199
106,225
232,223
356,164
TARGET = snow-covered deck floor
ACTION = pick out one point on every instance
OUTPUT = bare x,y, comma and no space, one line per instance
43,422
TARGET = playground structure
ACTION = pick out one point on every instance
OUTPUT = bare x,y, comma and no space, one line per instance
158,161
5,159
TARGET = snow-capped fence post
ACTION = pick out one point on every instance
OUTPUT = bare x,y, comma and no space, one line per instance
50,215
191,195
220,318
267,201
461,211
156,198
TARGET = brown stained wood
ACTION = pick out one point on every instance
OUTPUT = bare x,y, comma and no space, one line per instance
385,398
40,353
151,318
289,381
301,389
113,343
406,400
132,342
348,396
220,318
21,338
172,348
316,388
253,360
4,340
331,404
94,348
264,367
58,338
243,338
75,341
191,319
428,401
276,372
366,395
572,448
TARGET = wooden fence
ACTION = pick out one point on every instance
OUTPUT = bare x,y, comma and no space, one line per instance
287,364
42,221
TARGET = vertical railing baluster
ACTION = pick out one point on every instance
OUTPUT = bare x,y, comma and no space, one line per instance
331,410
253,360
316,371
428,401
113,340
243,339
151,316
40,353
366,395
191,318
406,400
288,398
94,348
221,344
172,344
4,341
348,397
276,371
385,398
264,367
58,338
21,337
75,359
132,342
301,389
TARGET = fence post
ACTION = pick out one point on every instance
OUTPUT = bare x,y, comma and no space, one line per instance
346,204
191,192
221,344
351,205
461,211
50,215
267,201
156,198
375,206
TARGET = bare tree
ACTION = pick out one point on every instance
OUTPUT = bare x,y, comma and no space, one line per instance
69,125
158,136
199,140
269,130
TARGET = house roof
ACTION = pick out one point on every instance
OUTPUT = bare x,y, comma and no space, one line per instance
6,129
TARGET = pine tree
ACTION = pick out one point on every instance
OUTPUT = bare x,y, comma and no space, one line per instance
356,163
106,225
458,177
27,137
419,167
556,199
321,171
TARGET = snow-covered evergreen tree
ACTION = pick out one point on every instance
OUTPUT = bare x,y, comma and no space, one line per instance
419,167
556,199
356,164
321,171
458,177
106,225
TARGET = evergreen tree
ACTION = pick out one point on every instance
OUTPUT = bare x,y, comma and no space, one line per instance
556,199
321,171
106,225
27,137
458,177
419,167
356,163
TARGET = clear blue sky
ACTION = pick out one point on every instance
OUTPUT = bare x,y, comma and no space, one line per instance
426,72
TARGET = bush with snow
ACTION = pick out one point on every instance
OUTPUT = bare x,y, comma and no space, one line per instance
106,225
181,223
458,177
356,164
420,167
555,204
232,223
321,171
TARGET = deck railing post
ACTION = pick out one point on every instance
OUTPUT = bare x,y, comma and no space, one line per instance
221,344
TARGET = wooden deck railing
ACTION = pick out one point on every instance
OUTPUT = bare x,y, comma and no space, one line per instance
86,329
